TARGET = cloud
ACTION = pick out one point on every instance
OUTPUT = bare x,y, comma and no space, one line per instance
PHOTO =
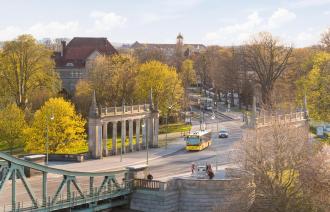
240,32
54,29
102,23
280,17
107,21
309,3
41,30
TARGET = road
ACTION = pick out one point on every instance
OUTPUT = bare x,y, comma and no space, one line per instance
161,165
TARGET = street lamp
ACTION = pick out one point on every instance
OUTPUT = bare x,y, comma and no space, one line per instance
47,139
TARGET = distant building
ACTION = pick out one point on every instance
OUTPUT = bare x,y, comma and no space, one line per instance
171,49
73,60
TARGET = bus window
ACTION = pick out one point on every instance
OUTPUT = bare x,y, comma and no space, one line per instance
193,141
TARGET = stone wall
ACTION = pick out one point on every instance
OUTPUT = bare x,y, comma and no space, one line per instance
231,194
149,201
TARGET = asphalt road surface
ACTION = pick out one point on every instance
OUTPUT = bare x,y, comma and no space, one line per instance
175,164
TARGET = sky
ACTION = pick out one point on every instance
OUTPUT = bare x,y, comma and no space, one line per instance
211,22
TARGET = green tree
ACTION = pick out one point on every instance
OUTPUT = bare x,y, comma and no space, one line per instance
66,131
25,67
83,97
187,76
12,125
164,81
113,78
316,87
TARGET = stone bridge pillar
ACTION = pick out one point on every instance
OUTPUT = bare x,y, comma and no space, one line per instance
94,131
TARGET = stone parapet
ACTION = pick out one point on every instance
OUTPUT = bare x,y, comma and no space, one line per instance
234,193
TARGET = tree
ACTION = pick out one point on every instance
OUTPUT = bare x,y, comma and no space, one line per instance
164,81
66,131
83,97
148,54
268,59
325,40
113,78
316,87
285,165
12,125
187,76
25,67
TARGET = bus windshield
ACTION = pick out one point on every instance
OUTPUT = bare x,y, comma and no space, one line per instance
193,141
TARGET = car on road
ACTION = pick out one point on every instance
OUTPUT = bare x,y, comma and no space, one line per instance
223,133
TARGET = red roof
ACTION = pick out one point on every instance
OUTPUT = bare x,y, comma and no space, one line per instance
79,48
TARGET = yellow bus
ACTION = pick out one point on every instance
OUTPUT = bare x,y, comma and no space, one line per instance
198,140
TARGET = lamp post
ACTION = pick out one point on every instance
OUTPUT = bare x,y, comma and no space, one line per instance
47,139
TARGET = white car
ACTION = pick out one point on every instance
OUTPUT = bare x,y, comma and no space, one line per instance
223,133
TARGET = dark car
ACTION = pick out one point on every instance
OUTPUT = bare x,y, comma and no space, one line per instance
223,134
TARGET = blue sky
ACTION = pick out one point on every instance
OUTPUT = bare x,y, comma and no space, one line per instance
221,22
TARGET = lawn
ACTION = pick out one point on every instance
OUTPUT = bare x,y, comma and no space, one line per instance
176,127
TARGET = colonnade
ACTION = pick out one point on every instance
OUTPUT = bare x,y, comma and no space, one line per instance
146,121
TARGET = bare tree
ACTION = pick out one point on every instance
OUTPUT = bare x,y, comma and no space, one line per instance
268,59
325,40
286,165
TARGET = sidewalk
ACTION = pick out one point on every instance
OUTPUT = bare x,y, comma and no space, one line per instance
111,163
233,115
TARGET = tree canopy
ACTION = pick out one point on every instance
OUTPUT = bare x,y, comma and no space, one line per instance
12,125
113,78
65,128
164,81
316,87
25,67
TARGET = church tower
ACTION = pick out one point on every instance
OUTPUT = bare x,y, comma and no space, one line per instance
179,40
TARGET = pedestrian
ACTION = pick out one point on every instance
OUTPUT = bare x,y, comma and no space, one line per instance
150,177
193,167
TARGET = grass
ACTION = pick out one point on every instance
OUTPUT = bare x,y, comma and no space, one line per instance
176,127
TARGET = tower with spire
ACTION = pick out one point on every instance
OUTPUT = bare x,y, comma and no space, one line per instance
179,39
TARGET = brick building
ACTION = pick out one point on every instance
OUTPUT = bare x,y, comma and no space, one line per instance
73,60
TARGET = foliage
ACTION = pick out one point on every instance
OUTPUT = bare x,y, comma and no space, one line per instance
187,73
83,97
65,128
25,68
165,85
113,79
287,168
316,87
149,54
12,125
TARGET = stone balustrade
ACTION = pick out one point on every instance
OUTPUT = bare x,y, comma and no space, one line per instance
133,109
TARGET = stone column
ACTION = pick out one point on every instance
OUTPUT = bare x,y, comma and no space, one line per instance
130,134
156,129
144,133
114,138
150,131
123,136
95,138
105,139
137,133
